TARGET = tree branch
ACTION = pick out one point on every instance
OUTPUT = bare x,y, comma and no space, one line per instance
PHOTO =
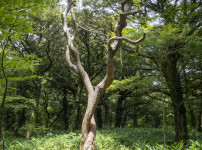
72,66
74,51
117,42
132,13
75,24
126,39
130,50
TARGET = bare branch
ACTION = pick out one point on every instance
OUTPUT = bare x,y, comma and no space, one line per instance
159,99
190,93
131,50
132,13
78,67
126,39
69,5
117,42
75,24
72,66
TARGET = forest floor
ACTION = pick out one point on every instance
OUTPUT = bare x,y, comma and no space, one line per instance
108,139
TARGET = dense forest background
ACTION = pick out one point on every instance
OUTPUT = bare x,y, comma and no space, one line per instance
157,82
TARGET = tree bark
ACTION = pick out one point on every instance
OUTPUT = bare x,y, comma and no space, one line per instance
172,76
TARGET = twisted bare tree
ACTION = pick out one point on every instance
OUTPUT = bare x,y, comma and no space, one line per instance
114,43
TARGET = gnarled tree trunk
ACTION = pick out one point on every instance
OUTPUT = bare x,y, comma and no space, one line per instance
94,94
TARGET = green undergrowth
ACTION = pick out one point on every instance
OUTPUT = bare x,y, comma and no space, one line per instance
111,139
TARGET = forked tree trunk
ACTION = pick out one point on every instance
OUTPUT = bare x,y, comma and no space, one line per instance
94,94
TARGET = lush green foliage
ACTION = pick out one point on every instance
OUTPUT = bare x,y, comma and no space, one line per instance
113,139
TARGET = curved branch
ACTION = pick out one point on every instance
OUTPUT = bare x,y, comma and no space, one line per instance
117,41
78,68
126,39
75,24
72,66
132,13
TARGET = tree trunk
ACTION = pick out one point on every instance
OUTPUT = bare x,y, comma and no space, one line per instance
107,114
37,98
99,116
65,108
2,109
180,123
200,122
190,104
119,108
164,122
78,110
192,114
172,76
200,116
19,121
124,120
88,124
78,118
135,116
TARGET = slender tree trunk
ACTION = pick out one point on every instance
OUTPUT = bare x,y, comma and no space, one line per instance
119,110
200,116
99,116
192,115
110,120
19,122
191,110
106,115
78,117
66,111
134,116
37,98
200,122
48,116
30,126
124,120
78,110
164,122
2,109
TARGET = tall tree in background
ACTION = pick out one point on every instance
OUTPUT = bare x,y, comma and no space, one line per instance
172,38
94,94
